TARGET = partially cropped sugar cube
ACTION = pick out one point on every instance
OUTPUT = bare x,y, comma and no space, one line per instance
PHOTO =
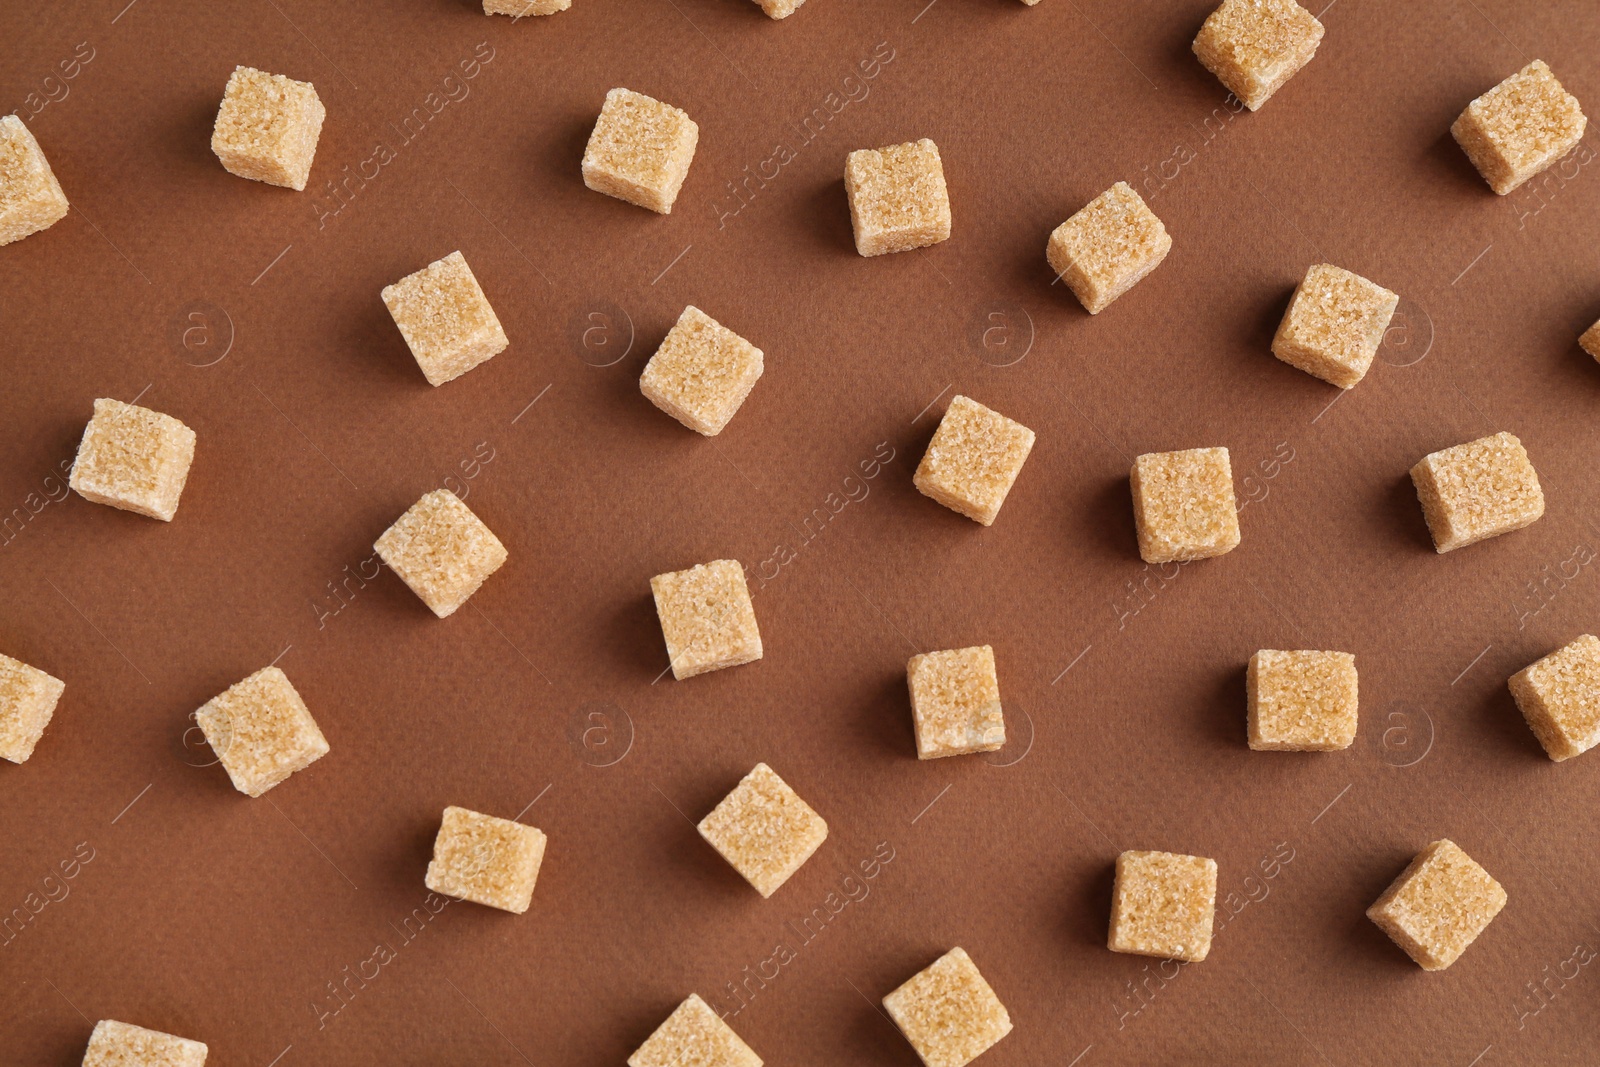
949,1012
1560,697
30,197
1183,505
1255,46
1302,701
520,8
1591,340
640,150
115,1044
1439,905
28,699
441,550
897,196
445,318
1478,490
701,373
134,459
955,702
764,830
973,460
1334,325
261,731
781,9
1162,904
267,127
1520,127
706,617
694,1036
1108,247
486,860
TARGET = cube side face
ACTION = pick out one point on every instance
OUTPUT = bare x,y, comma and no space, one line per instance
948,1012
1162,905
694,1036
640,150
1183,505
764,830
521,8
1520,127
28,698
1477,490
261,731
1108,247
702,372
267,128
134,459
897,197
30,196
487,860
1438,905
1334,325
1302,701
973,460
706,618
441,550
115,1044
445,318
1255,46
955,702
1559,696
1591,340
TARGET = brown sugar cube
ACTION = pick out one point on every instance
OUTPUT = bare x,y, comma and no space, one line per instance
1162,905
441,550
1478,490
973,459
781,9
1560,697
261,731
115,1044
1254,46
1334,325
701,373
694,1036
1183,505
520,8
640,150
706,617
1301,701
764,830
30,197
948,1012
955,702
1520,127
28,699
485,860
1108,247
267,127
897,197
1591,340
445,318
1438,906
134,459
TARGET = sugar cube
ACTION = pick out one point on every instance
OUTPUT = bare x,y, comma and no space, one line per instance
706,617
115,1044
1255,46
261,731
446,320
701,373
973,460
694,1036
1520,127
134,459
1162,904
1560,697
764,830
1439,905
1183,505
267,127
781,9
30,197
640,150
1301,701
897,197
1478,490
1108,247
486,860
27,701
955,702
1591,340
948,1012
441,550
1334,325
519,8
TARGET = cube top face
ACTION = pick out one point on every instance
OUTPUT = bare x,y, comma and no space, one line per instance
115,1044
1520,127
640,150
1439,905
694,1036
948,1012
486,860
1162,905
897,196
1334,325
1255,46
1478,490
30,197
1302,701
701,373
1560,697
28,699
1108,247
134,459
973,460
1183,505
1591,340
261,731
445,318
764,830
955,702
441,550
706,617
521,8
267,128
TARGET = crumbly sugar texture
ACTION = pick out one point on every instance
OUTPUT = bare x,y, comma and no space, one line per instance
701,373
694,1036
1162,905
1478,490
1520,127
706,617
1334,325
1439,905
948,1012
1560,697
28,699
1255,46
267,127
764,830
134,459
955,702
1591,340
445,318
782,9
973,460
115,1044
30,197
897,196
1108,247
519,8
441,550
640,150
486,860
261,731
1183,505
1302,701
